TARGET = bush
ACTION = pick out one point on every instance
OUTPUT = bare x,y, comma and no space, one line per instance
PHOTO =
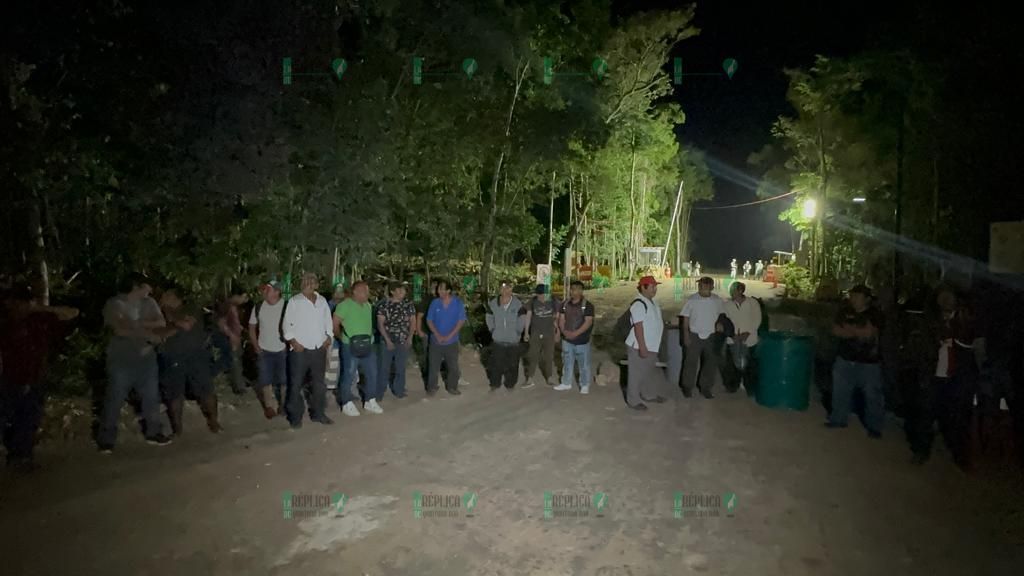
600,281
797,280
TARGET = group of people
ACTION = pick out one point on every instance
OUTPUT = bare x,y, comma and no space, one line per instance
758,269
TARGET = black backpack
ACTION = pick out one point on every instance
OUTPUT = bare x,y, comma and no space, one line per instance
625,322
280,323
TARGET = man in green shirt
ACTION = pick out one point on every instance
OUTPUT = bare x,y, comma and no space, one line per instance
353,325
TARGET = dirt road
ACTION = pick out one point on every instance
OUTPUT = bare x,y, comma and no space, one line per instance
806,500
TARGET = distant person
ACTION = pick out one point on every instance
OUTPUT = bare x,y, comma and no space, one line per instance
336,297
134,318
759,270
951,363
690,269
741,361
445,318
505,320
576,322
353,325
185,362
642,345
542,334
696,271
396,320
227,338
698,322
308,330
858,326
732,269
31,332
746,269
266,333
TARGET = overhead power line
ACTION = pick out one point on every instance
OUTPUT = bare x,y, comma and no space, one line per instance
745,203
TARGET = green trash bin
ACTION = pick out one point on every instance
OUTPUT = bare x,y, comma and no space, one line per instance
786,361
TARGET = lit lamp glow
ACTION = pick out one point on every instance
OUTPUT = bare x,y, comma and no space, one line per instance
860,199
810,209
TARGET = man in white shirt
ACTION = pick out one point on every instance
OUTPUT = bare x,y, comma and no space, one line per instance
745,314
642,347
267,338
309,331
698,322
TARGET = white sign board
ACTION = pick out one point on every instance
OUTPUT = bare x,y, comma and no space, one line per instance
544,274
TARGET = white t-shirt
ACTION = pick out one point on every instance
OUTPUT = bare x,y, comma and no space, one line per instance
652,324
269,323
745,317
703,312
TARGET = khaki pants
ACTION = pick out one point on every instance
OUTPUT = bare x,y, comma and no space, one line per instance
645,380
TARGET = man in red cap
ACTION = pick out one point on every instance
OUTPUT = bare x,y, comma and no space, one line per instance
642,346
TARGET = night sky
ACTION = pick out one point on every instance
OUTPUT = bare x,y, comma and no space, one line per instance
730,119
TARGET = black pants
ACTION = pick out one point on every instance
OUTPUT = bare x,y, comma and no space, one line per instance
21,412
449,354
732,376
185,374
949,401
503,365
314,363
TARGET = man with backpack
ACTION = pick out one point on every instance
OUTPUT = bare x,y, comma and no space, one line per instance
267,337
576,322
644,326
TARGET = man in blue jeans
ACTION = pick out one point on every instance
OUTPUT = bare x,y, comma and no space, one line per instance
353,325
396,320
137,325
857,362
576,321
266,335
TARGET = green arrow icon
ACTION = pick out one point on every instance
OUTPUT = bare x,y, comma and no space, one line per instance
339,65
730,65
600,67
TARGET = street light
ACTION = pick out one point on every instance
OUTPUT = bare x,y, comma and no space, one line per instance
810,208
860,200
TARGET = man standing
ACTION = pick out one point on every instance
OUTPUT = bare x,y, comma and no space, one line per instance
228,338
699,322
30,330
741,361
950,362
445,318
353,325
575,321
266,333
308,332
134,318
506,326
857,326
542,334
185,362
396,320
759,270
642,346
746,269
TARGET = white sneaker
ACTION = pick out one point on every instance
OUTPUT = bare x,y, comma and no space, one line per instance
372,406
349,409
563,387
463,382
584,389
528,384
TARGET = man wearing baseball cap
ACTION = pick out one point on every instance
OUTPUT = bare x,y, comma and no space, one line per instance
642,345
267,339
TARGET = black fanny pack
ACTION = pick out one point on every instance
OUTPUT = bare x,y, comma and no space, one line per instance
360,346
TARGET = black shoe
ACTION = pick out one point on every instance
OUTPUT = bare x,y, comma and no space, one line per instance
105,448
687,393
834,425
296,425
158,440
707,395
453,391
399,396
656,400
640,407
431,391
323,420
874,435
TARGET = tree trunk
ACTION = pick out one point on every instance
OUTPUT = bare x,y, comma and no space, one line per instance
630,246
39,248
551,221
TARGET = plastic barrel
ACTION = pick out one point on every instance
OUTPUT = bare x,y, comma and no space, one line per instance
786,362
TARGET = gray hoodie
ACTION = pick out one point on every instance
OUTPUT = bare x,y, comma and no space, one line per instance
504,322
